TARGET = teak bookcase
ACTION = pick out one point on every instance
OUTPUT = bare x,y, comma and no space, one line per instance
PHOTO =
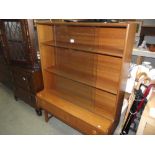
85,67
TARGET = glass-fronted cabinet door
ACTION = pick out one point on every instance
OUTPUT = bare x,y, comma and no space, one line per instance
18,37
3,55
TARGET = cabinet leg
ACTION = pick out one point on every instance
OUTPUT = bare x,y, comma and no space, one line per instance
39,112
16,98
46,115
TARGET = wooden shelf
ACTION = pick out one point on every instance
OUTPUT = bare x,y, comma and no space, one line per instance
143,53
53,100
85,78
105,50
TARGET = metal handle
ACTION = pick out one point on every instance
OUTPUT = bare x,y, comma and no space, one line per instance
24,78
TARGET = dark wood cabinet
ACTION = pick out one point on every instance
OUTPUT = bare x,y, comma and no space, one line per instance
19,43
5,72
27,83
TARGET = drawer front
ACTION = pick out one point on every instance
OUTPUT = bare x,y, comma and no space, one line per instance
74,122
75,34
22,79
25,96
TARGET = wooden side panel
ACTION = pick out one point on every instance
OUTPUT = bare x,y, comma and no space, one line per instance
48,80
47,56
45,33
129,42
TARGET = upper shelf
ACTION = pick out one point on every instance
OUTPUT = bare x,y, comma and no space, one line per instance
105,50
143,53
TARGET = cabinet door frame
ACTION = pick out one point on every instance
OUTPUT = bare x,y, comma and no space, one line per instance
27,34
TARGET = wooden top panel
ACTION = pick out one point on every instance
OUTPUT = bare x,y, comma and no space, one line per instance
85,24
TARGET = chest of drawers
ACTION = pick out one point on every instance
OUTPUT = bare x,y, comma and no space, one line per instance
26,82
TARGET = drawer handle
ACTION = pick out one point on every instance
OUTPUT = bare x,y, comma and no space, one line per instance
24,78
71,41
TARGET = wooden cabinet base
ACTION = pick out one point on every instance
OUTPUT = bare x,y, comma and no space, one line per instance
27,82
73,115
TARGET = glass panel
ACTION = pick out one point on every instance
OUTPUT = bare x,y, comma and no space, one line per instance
15,40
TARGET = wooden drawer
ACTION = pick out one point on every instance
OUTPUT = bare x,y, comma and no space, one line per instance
25,96
22,79
75,34
28,79
82,125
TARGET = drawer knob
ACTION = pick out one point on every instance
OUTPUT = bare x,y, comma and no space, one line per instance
72,41
24,78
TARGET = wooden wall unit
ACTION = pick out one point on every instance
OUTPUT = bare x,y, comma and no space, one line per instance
85,68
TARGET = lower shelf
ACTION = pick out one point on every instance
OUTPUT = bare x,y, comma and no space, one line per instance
84,78
73,115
